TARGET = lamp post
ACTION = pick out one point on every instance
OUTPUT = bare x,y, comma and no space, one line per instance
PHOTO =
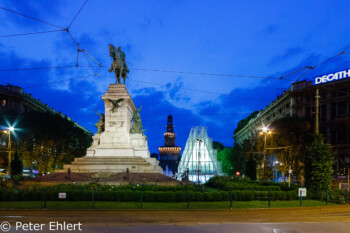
199,156
265,132
11,129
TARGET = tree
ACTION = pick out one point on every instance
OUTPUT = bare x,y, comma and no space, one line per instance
239,157
318,166
218,146
16,165
224,155
250,168
295,134
48,139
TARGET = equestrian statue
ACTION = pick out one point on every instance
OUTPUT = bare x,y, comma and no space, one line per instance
119,66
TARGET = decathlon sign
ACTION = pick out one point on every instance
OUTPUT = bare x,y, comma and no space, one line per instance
332,77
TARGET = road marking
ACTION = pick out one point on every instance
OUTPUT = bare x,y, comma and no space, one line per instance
12,216
283,231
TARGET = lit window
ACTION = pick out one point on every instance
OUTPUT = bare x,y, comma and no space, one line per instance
3,103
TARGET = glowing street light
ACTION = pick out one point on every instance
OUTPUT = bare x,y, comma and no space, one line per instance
265,131
10,129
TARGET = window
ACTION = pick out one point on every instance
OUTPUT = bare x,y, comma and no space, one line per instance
323,112
342,92
342,107
308,113
341,135
308,99
3,103
333,111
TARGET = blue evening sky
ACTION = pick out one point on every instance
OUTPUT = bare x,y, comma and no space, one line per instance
251,38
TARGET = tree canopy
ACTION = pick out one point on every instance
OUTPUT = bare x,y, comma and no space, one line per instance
48,140
318,166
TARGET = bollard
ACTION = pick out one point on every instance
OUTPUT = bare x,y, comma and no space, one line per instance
231,200
327,198
301,198
141,197
93,199
188,200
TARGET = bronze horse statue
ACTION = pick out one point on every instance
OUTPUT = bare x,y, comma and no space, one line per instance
119,66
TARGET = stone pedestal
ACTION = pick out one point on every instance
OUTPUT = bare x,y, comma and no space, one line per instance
115,145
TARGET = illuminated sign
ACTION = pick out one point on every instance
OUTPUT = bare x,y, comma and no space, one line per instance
332,77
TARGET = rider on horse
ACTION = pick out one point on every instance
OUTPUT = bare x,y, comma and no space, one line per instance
119,66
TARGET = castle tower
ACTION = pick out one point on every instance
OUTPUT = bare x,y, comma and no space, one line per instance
169,154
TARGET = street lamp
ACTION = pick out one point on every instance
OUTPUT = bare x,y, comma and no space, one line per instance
11,129
265,131
199,157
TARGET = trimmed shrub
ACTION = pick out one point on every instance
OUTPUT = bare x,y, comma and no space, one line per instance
207,197
169,196
225,196
180,196
149,196
98,196
160,197
108,196
216,196
38,195
8,195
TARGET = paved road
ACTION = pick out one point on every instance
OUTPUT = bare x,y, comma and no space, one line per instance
317,227
313,219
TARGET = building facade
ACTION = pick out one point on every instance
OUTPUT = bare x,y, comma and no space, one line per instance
300,100
169,154
13,102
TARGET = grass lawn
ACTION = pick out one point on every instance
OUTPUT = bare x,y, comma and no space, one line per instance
157,205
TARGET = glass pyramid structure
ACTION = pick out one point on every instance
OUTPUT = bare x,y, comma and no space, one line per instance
199,160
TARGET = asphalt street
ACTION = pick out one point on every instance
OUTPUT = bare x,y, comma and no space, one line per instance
306,219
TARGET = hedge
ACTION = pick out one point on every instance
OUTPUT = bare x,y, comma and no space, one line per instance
147,196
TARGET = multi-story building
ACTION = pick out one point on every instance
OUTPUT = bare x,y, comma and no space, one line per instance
14,101
169,154
300,100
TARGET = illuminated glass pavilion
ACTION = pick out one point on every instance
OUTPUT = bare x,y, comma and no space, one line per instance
199,159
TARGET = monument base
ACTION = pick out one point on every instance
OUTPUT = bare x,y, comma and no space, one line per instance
118,147
113,164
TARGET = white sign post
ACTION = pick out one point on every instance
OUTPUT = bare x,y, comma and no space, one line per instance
62,195
302,191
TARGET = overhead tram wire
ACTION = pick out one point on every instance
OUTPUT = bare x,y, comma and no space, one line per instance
43,68
77,14
208,74
42,21
189,89
62,29
169,71
59,81
31,33
152,70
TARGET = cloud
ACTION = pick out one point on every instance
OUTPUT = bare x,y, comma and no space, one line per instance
271,29
287,55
